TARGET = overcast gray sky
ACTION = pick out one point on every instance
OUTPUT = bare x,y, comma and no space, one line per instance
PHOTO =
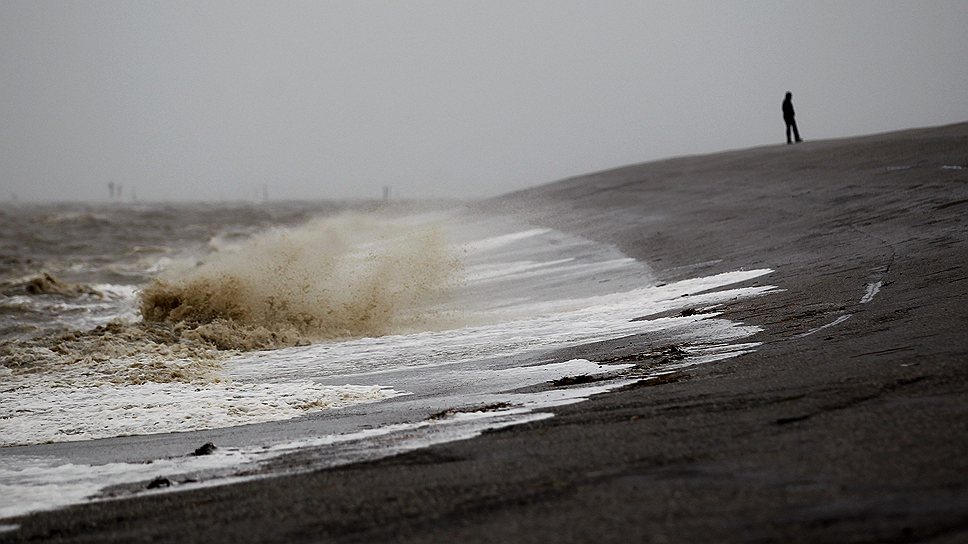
211,100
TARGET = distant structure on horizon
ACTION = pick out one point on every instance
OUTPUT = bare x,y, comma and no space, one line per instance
116,192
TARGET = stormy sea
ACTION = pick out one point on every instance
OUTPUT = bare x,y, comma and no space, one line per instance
289,336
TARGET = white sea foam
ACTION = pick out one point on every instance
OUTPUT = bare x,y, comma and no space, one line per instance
117,292
497,242
554,324
37,413
30,483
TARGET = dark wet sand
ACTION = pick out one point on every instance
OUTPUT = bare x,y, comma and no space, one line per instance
855,433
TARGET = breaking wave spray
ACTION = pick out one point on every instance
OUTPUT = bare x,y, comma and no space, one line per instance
351,275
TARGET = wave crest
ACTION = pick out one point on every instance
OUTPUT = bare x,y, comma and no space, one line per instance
45,283
115,353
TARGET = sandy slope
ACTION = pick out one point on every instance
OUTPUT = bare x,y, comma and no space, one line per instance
856,432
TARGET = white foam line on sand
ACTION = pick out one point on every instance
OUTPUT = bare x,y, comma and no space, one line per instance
37,483
833,323
872,289
34,483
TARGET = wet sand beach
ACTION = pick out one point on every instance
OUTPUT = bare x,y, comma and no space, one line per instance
848,424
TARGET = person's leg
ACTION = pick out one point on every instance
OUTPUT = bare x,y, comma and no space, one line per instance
789,141
796,133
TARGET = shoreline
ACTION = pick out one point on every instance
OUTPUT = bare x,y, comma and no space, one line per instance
835,429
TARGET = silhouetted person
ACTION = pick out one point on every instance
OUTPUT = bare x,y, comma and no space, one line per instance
789,117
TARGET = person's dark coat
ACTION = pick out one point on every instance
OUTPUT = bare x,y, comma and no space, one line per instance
788,113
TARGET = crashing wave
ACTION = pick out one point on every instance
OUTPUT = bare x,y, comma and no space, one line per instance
46,284
338,277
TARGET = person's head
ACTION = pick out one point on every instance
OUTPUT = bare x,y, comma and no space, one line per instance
789,95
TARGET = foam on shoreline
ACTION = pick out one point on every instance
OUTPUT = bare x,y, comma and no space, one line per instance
393,330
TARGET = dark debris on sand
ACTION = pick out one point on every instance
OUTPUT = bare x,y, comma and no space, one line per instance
205,449
494,407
